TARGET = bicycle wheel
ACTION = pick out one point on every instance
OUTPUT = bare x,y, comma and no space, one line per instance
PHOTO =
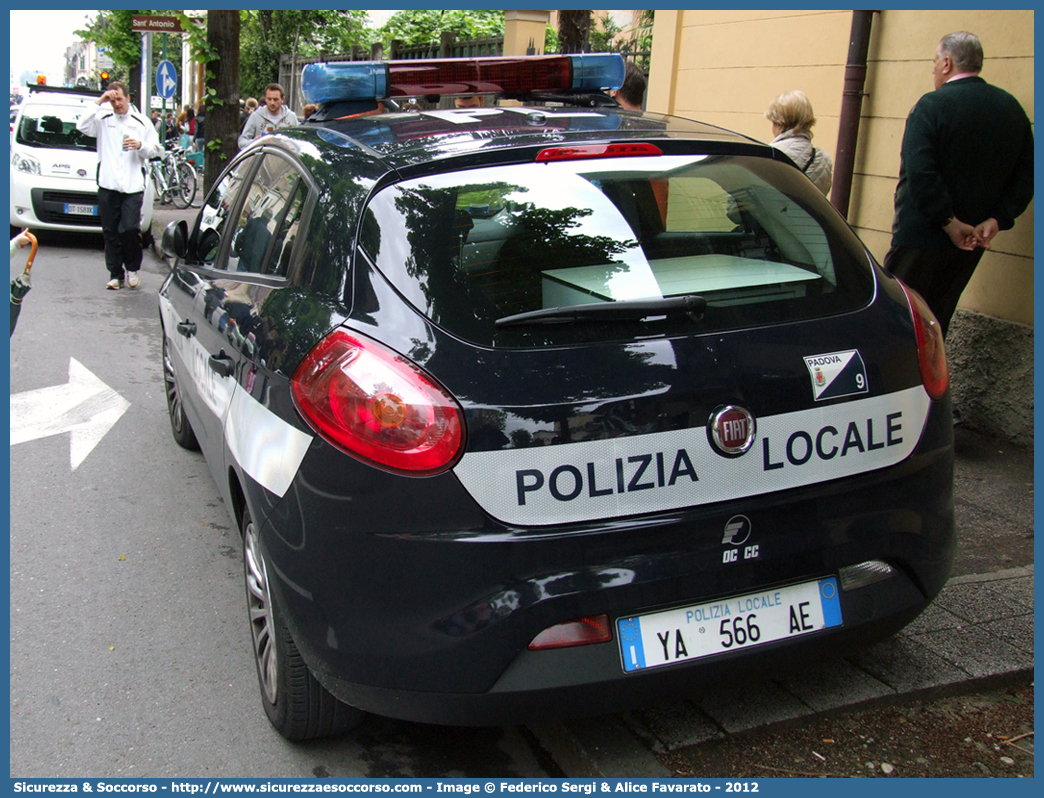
185,189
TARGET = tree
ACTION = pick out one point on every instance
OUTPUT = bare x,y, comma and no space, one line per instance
222,87
112,30
426,26
268,34
574,30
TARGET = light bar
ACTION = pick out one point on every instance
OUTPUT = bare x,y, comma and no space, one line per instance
376,80
345,80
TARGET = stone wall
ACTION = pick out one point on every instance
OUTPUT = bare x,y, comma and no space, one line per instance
991,375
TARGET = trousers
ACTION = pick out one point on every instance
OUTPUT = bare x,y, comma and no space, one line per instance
938,275
121,228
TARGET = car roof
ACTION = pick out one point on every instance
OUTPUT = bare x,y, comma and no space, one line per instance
58,95
404,139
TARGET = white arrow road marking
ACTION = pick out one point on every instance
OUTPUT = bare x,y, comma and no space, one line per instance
85,406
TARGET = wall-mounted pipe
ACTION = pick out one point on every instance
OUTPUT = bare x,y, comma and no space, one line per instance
851,108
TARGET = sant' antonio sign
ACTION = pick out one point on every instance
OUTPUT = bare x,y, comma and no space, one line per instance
143,23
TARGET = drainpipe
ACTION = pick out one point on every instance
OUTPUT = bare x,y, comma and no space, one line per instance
851,107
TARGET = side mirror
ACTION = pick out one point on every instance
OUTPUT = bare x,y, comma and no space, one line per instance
207,246
175,239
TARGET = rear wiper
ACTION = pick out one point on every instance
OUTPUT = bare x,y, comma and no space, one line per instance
691,305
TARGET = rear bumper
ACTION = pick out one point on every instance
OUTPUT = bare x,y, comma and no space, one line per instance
588,680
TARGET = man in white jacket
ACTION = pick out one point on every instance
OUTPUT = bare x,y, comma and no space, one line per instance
269,117
126,141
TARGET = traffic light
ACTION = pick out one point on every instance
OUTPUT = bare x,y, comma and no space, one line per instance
41,80
104,79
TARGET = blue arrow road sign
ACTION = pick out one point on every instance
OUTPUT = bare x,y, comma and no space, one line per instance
166,79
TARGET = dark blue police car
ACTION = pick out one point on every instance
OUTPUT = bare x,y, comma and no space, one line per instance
544,407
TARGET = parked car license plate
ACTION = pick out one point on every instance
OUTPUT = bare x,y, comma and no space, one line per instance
729,624
81,210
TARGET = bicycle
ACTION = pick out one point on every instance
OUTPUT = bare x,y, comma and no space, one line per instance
174,178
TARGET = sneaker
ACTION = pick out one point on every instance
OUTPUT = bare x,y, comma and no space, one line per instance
132,279
115,284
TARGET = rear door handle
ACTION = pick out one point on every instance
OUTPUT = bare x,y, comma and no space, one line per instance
186,328
221,364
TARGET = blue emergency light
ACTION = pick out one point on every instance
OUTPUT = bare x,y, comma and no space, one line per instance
510,76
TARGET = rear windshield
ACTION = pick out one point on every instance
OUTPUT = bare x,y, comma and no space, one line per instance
53,126
750,236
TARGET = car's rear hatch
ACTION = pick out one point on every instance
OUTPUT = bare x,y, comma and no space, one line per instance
632,331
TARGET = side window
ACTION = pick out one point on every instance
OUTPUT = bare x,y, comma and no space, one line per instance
213,219
267,225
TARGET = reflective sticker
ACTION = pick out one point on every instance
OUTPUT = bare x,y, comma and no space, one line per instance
837,374
267,448
668,470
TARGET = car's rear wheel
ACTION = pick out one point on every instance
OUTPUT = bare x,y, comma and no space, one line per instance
296,704
179,423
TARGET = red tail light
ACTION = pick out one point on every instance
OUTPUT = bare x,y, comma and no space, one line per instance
596,151
931,353
375,405
578,632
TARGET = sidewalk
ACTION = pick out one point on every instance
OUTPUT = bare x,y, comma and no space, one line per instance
978,632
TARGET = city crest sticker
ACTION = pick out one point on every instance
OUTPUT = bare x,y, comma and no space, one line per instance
837,374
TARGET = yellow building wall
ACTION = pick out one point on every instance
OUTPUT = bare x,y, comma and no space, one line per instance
724,67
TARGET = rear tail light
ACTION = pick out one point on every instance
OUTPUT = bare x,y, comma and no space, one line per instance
578,632
931,353
597,151
375,405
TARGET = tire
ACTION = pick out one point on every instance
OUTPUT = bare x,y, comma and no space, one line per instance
179,423
297,706
186,191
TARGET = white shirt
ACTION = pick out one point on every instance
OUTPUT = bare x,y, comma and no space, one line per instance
121,170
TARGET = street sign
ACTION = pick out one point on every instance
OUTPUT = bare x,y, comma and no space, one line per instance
141,23
166,80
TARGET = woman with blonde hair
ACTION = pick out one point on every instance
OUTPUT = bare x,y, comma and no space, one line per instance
792,120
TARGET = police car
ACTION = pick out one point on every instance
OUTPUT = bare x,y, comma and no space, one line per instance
544,407
54,167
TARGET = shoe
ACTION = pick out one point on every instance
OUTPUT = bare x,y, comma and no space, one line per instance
115,284
132,279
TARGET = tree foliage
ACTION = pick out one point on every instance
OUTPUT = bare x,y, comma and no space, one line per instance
265,35
112,31
425,26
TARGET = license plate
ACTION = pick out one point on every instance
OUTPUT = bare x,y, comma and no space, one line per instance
729,624
81,210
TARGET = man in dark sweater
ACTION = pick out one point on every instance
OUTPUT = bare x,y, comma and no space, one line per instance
966,174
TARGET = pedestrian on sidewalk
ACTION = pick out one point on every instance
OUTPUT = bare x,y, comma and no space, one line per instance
268,118
126,142
792,119
966,173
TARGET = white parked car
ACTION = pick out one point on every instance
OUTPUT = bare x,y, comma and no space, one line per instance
54,167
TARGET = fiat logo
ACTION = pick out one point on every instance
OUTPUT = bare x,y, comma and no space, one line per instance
732,430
